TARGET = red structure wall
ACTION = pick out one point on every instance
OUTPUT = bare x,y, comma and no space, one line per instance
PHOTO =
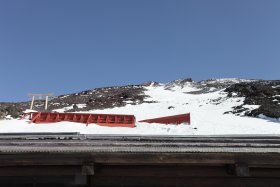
177,119
112,120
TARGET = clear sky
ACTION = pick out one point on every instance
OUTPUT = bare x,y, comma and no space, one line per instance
64,46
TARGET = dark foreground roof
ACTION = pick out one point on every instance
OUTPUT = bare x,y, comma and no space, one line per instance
73,159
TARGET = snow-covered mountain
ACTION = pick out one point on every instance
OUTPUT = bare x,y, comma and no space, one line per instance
217,106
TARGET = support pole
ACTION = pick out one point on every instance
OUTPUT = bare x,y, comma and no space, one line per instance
46,104
32,102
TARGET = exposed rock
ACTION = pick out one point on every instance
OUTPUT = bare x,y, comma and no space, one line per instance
12,109
102,98
263,93
150,83
75,107
213,85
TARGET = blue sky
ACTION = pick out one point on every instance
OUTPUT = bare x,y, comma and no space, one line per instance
64,46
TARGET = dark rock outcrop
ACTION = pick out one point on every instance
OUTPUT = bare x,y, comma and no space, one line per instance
100,98
263,93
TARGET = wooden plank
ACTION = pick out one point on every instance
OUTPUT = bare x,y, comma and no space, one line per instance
265,172
183,181
189,158
37,181
181,171
161,171
40,95
46,170
139,159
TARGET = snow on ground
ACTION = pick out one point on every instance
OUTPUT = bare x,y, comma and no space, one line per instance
207,116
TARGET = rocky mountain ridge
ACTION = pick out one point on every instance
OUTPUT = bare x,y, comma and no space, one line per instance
264,94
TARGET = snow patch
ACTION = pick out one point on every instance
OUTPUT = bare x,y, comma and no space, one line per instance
251,107
63,96
268,118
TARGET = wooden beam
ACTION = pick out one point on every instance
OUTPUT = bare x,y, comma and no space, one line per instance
40,95
40,170
88,169
182,181
253,160
242,169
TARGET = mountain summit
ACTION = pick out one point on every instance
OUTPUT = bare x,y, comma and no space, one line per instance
263,96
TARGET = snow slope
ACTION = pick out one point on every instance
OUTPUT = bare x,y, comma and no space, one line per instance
207,115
